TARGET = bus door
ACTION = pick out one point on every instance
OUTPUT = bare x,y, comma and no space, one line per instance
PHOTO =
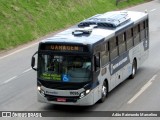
96,75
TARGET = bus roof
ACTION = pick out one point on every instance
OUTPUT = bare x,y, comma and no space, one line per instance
98,27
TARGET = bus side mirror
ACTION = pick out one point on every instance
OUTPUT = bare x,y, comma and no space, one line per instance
33,62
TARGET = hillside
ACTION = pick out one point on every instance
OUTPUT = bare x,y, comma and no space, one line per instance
25,20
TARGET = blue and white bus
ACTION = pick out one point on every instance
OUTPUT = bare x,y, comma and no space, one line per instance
81,65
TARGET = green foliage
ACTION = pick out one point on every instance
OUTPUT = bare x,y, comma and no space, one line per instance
25,20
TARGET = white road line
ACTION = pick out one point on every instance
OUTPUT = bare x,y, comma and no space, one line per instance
27,70
15,76
18,50
9,80
152,10
142,89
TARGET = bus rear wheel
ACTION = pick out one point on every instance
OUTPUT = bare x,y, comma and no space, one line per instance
104,92
134,69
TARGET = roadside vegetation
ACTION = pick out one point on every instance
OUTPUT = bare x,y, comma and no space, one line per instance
22,21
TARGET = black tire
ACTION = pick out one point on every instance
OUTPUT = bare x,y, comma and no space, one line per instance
134,69
104,92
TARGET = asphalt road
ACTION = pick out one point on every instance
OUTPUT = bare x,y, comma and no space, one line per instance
18,81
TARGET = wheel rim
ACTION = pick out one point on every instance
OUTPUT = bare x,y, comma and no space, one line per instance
104,91
133,70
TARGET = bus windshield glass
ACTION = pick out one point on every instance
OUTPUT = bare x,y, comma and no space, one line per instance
64,68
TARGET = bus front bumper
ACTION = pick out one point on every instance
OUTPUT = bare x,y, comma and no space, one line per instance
85,101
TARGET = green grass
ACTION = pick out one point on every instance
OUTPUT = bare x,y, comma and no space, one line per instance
22,21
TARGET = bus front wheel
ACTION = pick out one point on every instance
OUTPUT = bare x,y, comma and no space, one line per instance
104,92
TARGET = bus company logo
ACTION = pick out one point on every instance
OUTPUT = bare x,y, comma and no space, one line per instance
119,63
52,93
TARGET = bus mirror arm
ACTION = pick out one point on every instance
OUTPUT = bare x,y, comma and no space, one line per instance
33,62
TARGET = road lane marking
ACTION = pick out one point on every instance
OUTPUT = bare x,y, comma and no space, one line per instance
18,50
26,70
142,89
152,10
9,80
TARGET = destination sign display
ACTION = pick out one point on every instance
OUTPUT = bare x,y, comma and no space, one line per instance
56,47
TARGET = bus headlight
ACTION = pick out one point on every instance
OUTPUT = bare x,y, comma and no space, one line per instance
41,91
88,91
84,93
39,88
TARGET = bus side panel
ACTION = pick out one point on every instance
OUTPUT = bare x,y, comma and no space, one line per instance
144,50
105,75
139,53
114,76
127,70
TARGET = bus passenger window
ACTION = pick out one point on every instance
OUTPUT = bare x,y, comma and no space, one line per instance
105,56
113,48
129,39
146,28
142,30
136,34
121,43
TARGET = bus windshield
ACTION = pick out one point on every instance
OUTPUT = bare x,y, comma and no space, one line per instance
64,68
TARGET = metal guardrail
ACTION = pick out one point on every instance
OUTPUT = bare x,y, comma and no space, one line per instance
118,1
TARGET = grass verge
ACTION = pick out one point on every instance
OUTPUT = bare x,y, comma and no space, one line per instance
25,20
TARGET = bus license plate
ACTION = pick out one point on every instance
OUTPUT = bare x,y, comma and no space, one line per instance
61,99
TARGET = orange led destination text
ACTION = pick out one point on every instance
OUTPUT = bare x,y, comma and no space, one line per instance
64,48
